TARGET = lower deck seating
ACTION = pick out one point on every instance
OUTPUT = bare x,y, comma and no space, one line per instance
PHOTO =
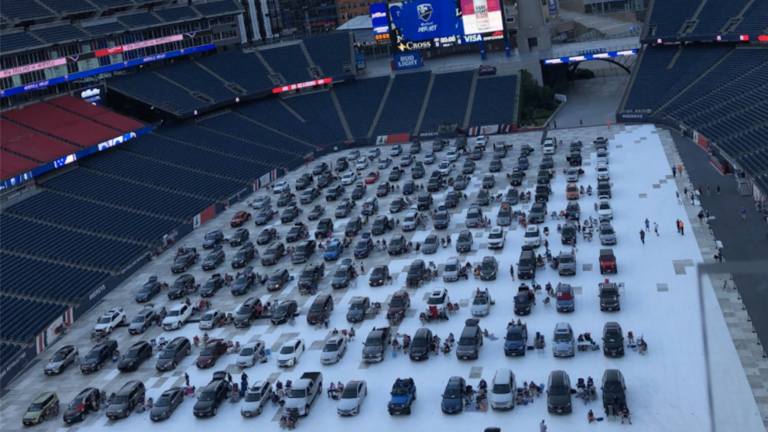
403,106
494,101
448,100
23,319
360,111
46,280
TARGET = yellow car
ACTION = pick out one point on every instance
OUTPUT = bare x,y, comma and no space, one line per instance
44,406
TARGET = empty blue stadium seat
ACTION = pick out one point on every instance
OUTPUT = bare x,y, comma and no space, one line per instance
288,61
669,16
190,75
139,20
272,112
47,241
68,6
106,28
155,90
217,8
448,100
360,111
177,14
245,69
331,52
403,105
107,189
494,102
7,350
755,19
17,41
715,15
140,169
60,209
23,10
320,115
23,319
238,126
63,33
112,3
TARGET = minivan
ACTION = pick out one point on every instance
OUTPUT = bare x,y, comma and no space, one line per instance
451,271
562,341
526,267
420,344
320,310
470,341
474,216
126,400
559,393
503,388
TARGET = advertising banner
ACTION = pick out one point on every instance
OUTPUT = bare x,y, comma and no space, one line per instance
552,7
15,365
32,67
411,60
379,18
481,16
423,24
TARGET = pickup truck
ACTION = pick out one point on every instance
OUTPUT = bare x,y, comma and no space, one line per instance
376,345
608,262
304,392
403,394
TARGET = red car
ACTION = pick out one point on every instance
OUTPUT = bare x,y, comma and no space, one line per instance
372,177
239,218
212,351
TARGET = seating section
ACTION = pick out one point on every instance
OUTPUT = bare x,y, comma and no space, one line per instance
7,350
57,122
66,7
62,33
139,20
360,111
186,154
112,3
245,69
755,19
321,120
33,238
23,319
289,61
715,15
17,41
96,113
100,187
195,78
143,170
494,101
11,165
23,10
31,144
669,16
448,100
68,211
106,29
153,89
235,125
331,52
400,117
217,8
177,14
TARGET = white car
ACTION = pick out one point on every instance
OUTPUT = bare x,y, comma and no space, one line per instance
351,398
111,319
395,150
602,156
452,155
348,178
602,164
496,238
354,154
256,398
411,220
439,298
251,353
261,201
374,153
603,173
445,167
481,304
177,317
290,352
280,186
333,350
481,141
532,236
362,163
548,148
210,320
572,175
604,210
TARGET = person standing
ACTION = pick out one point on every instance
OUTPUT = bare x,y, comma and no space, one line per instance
642,236
678,226
512,271
677,194
362,268
543,426
718,189
743,214
656,228
674,171
709,191
682,228
647,224
680,169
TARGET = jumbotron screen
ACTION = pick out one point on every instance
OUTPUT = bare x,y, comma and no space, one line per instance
426,24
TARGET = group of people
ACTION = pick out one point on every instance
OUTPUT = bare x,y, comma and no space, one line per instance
527,393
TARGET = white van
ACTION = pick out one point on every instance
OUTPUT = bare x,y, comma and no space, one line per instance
503,390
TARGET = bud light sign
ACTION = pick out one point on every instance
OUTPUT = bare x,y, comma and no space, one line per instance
411,60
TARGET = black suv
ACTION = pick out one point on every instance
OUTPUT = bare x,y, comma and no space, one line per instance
97,356
334,192
180,286
381,225
248,312
613,340
357,309
135,356
285,311
538,213
215,283
290,214
239,237
396,245
211,397
126,399
244,255
273,254
278,280
324,228
311,275
424,202
303,251
379,276
173,353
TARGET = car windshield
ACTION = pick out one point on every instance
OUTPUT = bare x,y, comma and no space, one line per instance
362,244
410,218
282,309
606,230
208,317
612,387
464,238
563,337
566,259
332,247
208,351
72,405
330,347
163,401
105,320
451,266
397,302
132,354
120,399
211,236
495,234
174,313
569,231
605,206
350,392
514,336
472,213
357,305
373,341
531,233
167,354
607,294
341,273
270,251
436,300
207,396
297,393
488,265
287,349
558,389
452,393
430,240
146,288
466,341
240,254
502,388
480,300
59,356
612,337
317,307
564,295
396,242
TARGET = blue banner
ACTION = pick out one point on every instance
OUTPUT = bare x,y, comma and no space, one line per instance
411,60
552,7
379,18
104,69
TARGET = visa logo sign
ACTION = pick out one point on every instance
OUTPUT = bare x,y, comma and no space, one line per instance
475,38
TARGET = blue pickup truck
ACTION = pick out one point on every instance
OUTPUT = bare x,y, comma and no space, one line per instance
403,394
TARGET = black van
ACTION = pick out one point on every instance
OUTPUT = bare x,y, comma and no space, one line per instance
420,344
425,201
526,267
470,341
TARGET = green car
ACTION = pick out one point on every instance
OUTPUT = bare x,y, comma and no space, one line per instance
44,406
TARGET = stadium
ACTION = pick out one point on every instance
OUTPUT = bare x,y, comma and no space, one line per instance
185,173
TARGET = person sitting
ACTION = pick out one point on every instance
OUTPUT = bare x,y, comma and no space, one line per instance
625,415
205,338
591,417
455,308
150,403
550,291
483,385
581,189
581,384
395,344
588,337
589,190
340,387
196,340
534,389
477,272
189,391
485,333
590,382
331,389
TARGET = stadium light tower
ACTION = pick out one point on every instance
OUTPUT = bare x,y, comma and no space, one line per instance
533,33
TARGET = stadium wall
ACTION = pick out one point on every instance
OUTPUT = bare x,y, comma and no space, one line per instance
16,365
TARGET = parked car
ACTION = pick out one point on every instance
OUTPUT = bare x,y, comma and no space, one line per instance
64,356
244,255
239,218
247,312
403,395
173,353
290,352
607,234
333,350
211,396
352,398
431,244
563,342
274,252
609,297
214,259
110,320
565,298
453,396
286,310
126,399
321,309
37,411
135,356
166,404
496,238
256,398
212,285
515,343
212,239
464,242
481,304
489,268
396,245
614,390
211,319
566,263
210,353
148,290
358,307
559,393
260,202
87,401
503,390
613,340
177,316
470,341
278,280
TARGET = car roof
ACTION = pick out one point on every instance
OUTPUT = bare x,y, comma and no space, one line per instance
531,228
562,326
179,306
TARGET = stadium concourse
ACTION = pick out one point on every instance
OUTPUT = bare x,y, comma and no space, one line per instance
666,389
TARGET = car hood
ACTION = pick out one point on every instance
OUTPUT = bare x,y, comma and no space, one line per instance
347,404
203,405
331,355
501,398
240,287
32,415
338,280
419,351
559,400
159,412
399,399
562,346
429,248
88,362
53,365
372,350
479,308
124,362
117,408
514,344
250,406
143,294
452,402
295,402
206,290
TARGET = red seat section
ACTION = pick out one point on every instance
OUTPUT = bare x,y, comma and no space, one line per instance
97,113
35,145
62,124
11,165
